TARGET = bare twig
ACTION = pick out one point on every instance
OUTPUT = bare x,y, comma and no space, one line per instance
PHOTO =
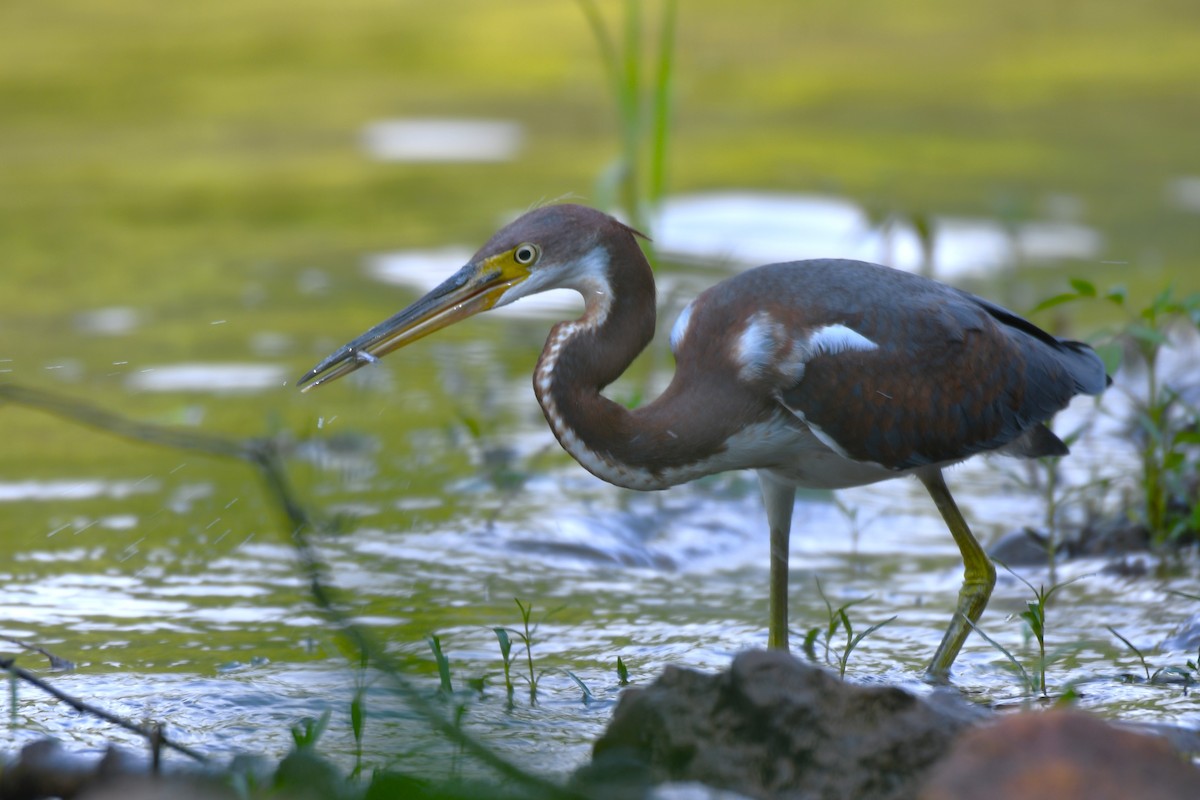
151,733
56,662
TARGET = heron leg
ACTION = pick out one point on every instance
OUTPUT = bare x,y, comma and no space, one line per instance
779,497
979,576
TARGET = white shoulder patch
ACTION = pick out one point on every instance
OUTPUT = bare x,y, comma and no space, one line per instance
833,339
766,347
679,329
757,345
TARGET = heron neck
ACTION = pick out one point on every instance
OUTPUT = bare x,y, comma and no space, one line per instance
584,356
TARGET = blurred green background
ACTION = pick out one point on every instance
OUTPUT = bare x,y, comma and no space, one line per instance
148,150
202,165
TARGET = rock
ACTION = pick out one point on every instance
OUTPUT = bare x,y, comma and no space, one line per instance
1061,755
1117,536
1023,548
46,769
151,787
773,726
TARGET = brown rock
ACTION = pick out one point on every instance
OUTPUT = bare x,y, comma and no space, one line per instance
773,726
1061,755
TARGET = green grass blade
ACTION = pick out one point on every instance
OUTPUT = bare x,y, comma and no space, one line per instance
1029,684
662,103
443,664
587,693
505,644
1130,645
629,101
604,41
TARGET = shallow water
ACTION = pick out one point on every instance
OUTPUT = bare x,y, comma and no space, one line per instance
164,575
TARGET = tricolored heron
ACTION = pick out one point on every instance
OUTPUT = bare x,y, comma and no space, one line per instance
823,374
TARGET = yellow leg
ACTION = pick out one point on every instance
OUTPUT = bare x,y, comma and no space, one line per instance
779,497
979,576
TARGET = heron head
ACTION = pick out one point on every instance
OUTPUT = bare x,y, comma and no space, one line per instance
553,247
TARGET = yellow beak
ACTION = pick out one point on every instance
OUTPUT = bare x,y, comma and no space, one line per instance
474,288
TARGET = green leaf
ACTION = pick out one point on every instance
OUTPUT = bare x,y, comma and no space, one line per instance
505,643
587,693
871,630
1033,617
1162,302
622,672
1068,698
1056,300
526,610
809,644
472,424
443,664
1145,333
845,620
1084,288
1112,356
306,732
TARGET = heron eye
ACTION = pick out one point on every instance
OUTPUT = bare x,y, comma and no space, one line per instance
526,253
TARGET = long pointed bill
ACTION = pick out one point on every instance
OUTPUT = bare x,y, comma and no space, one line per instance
474,288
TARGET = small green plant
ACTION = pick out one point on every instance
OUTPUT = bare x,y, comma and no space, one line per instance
1034,617
506,656
622,672
838,619
1167,427
307,732
525,635
1187,675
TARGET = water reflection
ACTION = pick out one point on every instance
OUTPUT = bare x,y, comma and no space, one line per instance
1184,193
209,378
457,140
749,228
73,489
114,321
745,229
